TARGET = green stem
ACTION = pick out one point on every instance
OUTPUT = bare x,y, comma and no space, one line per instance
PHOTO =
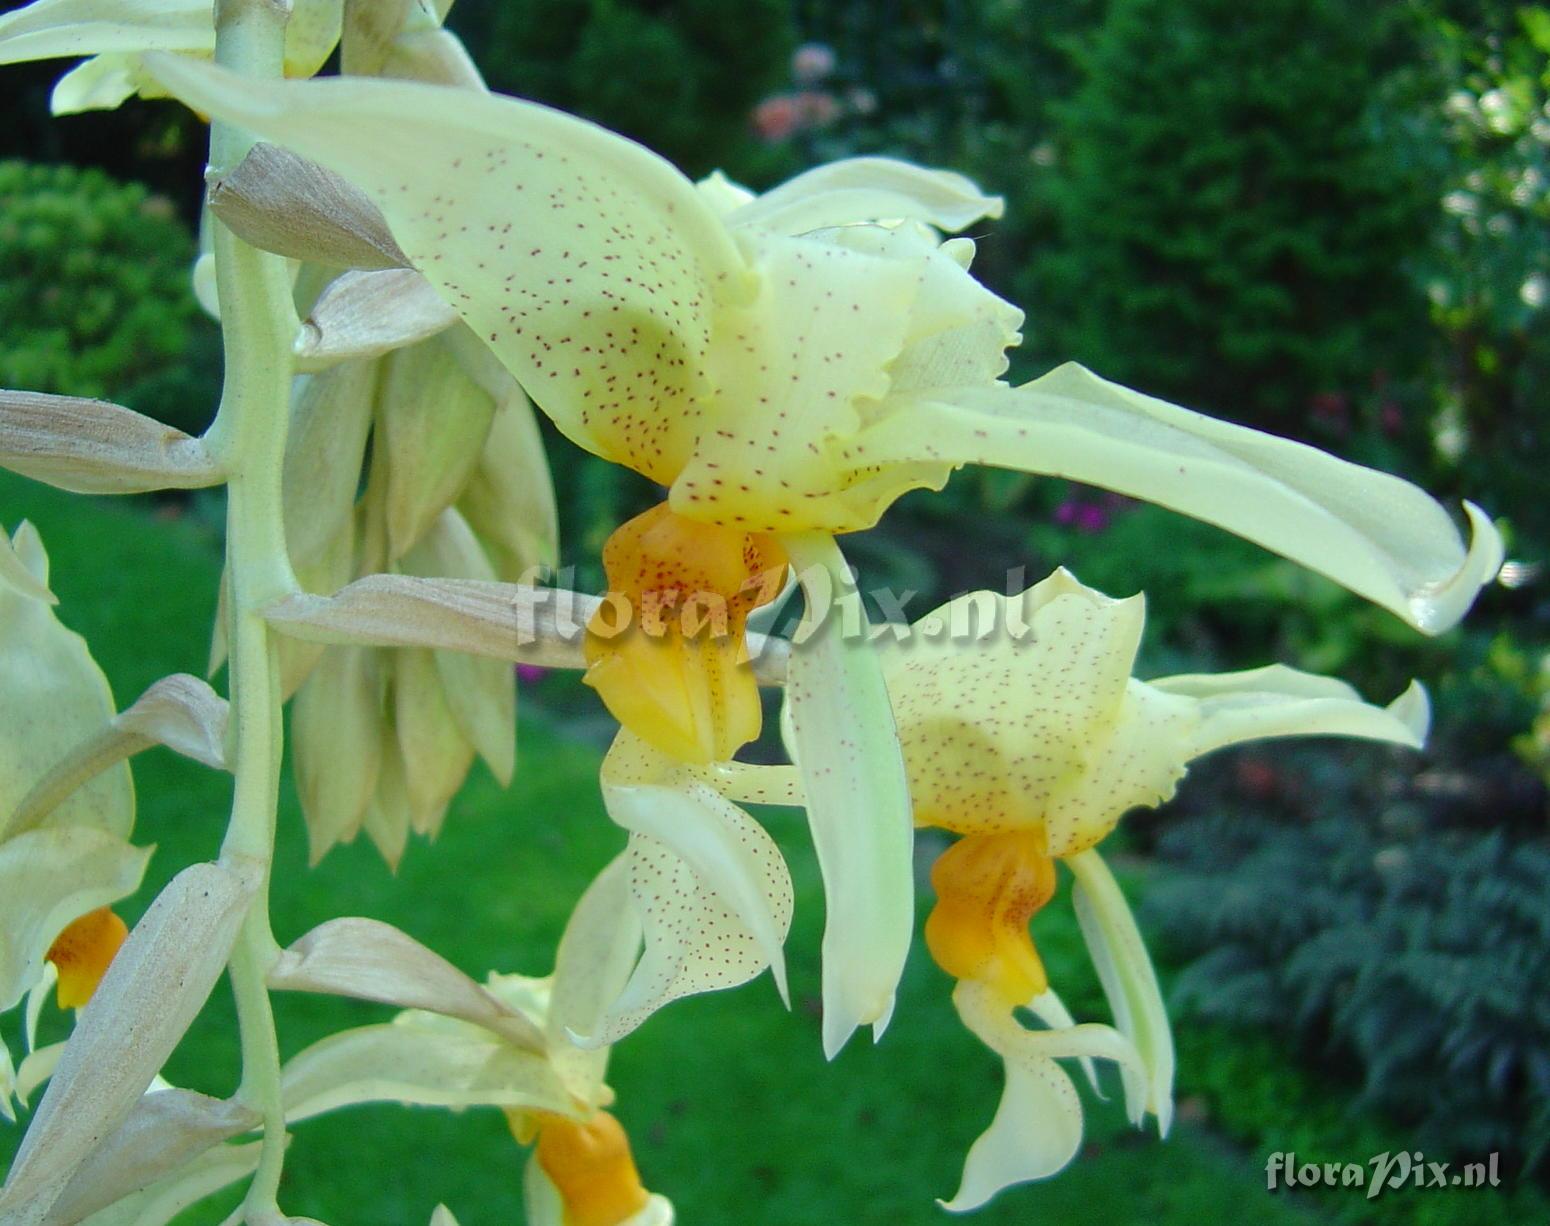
258,322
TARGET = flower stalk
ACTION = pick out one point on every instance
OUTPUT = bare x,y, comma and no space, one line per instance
248,434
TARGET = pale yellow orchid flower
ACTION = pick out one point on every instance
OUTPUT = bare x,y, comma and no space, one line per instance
59,872
788,366
512,1044
1025,733
112,34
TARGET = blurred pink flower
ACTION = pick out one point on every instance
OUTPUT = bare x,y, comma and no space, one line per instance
527,674
1391,418
812,62
816,107
776,117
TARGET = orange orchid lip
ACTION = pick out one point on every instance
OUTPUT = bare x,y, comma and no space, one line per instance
667,650
83,952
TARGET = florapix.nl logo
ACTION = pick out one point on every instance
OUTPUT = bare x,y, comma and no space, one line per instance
1388,1171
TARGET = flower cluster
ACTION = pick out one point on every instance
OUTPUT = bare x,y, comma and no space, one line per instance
406,267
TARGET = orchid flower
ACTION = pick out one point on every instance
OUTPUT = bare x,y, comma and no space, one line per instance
510,1044
788,366
114,33
59,870
1028,736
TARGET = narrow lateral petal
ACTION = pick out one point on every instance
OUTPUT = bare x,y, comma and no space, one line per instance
594,961
1375,534
710,886
867,189
589,264
1125,969
1277,701
369,960
419,1060
842,735
153,990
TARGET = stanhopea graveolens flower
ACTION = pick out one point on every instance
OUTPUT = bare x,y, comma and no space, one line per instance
1026,735
788,365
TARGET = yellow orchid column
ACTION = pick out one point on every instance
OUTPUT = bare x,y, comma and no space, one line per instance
1025,734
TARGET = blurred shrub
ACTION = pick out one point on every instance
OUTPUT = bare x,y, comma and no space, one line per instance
1485,80
680,76
95,299
1421,962
1273,1105
1235,207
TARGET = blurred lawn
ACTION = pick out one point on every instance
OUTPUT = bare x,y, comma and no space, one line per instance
733,1111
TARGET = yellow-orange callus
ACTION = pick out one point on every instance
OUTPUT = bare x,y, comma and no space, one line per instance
82,953
591,1166
666,650
988,887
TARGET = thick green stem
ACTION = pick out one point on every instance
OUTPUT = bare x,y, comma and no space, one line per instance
248,435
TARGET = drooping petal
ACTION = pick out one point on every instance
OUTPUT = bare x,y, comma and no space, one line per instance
49,878
594,961
590,265
1278,701
1130,983
710,885
866,189
1371,532
369,960
423,1061
1037,1128
150,995
841,731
